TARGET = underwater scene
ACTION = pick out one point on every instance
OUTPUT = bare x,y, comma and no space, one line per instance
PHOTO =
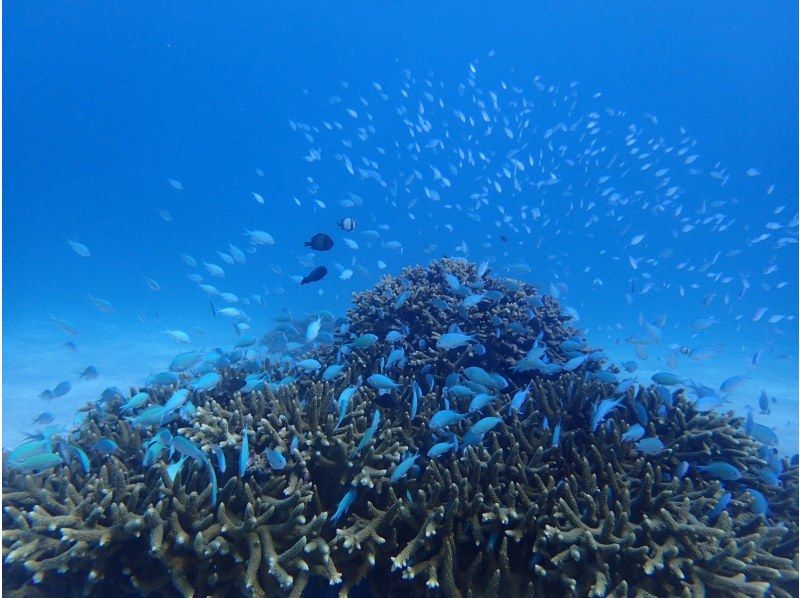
400,299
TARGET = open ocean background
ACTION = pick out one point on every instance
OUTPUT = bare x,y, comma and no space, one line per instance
104,102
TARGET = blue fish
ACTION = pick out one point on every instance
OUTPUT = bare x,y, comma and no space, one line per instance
605,376
177,400
136,401
491,545
364,341
153,416
571,345
214,488
393,336
446,417
276,459
453,340
769,477
113,393
344,403
732,383
206,382
471,438
720,506
664,395
601,411
253,382
760,432
519,398
172,470
82,457
681,469
429,380
634,433
650,445
106,446
369,432
641,413
221,463
575,363
44,418
309,365
666,378
482,426
344,504
184,361
480,401
382,382
479,375
62,389
453,282
416,394
401,299
39,462
162,379
439,304
721,470
157,445
760,505
244,455
556,440
397,356
473,300
186,447
459,390
403,467
439,449
332,371
708,403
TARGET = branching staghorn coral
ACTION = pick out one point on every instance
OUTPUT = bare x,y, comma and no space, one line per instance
526,511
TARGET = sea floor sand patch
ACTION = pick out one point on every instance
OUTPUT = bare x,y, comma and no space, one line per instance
35,359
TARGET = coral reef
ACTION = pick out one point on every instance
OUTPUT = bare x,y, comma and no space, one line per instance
545,503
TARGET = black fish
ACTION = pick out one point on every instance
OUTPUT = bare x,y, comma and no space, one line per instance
315,275
387,400
320,242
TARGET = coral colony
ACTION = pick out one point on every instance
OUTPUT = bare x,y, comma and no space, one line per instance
454,435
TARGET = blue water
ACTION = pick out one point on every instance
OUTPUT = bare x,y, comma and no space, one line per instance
103,104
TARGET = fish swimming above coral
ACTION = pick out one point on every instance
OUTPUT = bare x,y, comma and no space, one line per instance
630,492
